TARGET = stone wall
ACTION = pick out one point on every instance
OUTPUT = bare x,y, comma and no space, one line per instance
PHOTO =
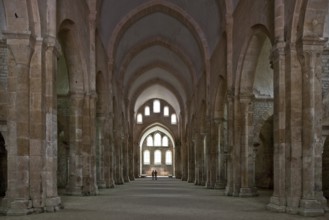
325,96
263,142
3,79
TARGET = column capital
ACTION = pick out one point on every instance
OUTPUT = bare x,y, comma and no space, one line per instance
246,97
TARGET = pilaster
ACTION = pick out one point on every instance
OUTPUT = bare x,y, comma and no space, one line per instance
75,184
278,199
229,190
312,202
18,201
221,152
248,188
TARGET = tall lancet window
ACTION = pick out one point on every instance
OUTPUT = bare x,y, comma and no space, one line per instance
173,119
168,157
156,106
166,111
149,141
157,157
165,141
147,111
157,139
139,118
147,157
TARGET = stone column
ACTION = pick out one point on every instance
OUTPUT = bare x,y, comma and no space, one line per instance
191,161
198,147
176,153
229,190
125,162
88,149
100,152
184,162
118,158
312,202
53,201
293,129
131,152
136,159
247,184
37,129
74,186
278,199
110,153
221,181
205,147
18,192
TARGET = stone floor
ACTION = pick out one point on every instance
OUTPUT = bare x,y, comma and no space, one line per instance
165,198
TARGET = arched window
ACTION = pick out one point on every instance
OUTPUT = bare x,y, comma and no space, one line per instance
157,139
173,119
139,118
156,106
166,111
146,157
149,141
165,141
157,157
168,157
147,111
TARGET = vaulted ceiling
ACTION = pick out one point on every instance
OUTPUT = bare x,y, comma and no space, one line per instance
158,48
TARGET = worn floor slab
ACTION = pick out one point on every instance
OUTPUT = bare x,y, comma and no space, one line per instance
165,198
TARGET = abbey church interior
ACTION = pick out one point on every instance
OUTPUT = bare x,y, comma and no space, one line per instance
227,95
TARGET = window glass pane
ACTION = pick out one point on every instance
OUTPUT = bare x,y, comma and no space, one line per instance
156,106
168,157
139,118
146,157
165,141
147,111
173,119
157,157
157,139
149,141
166,111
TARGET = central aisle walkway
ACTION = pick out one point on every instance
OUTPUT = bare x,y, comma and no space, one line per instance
144,199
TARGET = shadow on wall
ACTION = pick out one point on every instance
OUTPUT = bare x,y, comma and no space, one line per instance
264,156
325,168
3,167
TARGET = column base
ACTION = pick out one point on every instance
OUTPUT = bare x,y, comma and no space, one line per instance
248,192
53,204
197,182
19,207
275,205
229,191
110,185
190,180
311,208
101,184
73,191
220,185
210,185
184,178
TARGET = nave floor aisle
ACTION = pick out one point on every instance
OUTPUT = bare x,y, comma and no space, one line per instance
145,199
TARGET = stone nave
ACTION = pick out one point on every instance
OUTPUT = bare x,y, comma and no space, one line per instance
230,95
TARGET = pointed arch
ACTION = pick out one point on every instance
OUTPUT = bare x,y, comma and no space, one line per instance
247,64
70,46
